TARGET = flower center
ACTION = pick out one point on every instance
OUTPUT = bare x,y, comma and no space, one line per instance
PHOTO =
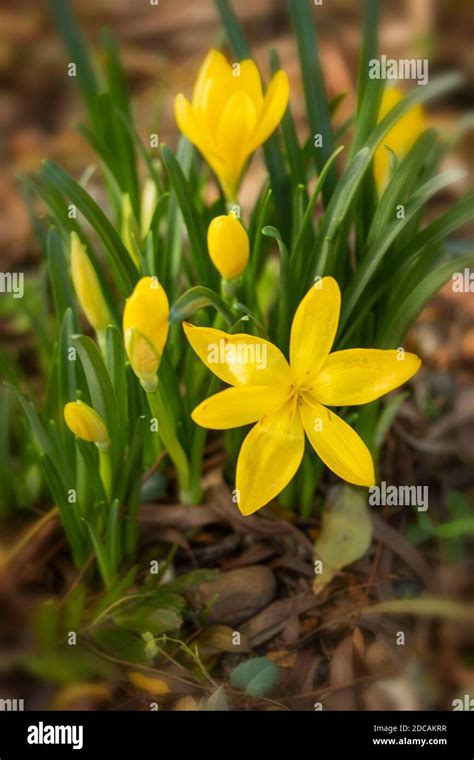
300,394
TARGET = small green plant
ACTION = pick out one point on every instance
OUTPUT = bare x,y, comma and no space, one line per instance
124,272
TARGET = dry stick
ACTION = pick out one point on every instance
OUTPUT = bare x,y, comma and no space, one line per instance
28,535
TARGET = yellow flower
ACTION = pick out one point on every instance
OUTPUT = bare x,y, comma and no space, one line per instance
229,117
87,286
400,138
145,329
288,399
228,245
84,422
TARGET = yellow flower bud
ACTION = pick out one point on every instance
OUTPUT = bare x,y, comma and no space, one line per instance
228,245
143,357
145,329
87,286
84,422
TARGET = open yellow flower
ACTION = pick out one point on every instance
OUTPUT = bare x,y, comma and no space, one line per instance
288,399
400,138
145,329
229,117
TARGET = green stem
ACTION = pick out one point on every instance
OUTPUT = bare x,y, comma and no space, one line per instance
176,452
105,469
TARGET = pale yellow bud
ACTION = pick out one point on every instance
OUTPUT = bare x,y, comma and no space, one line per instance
87,286
84,422
228,245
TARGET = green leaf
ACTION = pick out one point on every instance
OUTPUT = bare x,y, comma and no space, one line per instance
67,369
69,517
404,176
369,47
338,209
253,269
304,23
297,263
121,264
78,52
170,264
112,538
73,608
256,677
70,665
345,535
372,260
115,361
293,149
103,560
284,317
418,298
128,473
198,298
88,453
191,216
46,623
419,251
40,435
98,381
233,30
121,644
387,417
58,269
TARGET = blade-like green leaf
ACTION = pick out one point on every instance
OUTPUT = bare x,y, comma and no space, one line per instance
304,23
419,297
198,298
118,257
372,260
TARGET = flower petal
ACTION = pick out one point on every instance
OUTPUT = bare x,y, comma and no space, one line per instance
249,80
314,329
147,310
360,375
338,445
270,455
240,406
215,66
274,107
239,359
236,125
188,123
